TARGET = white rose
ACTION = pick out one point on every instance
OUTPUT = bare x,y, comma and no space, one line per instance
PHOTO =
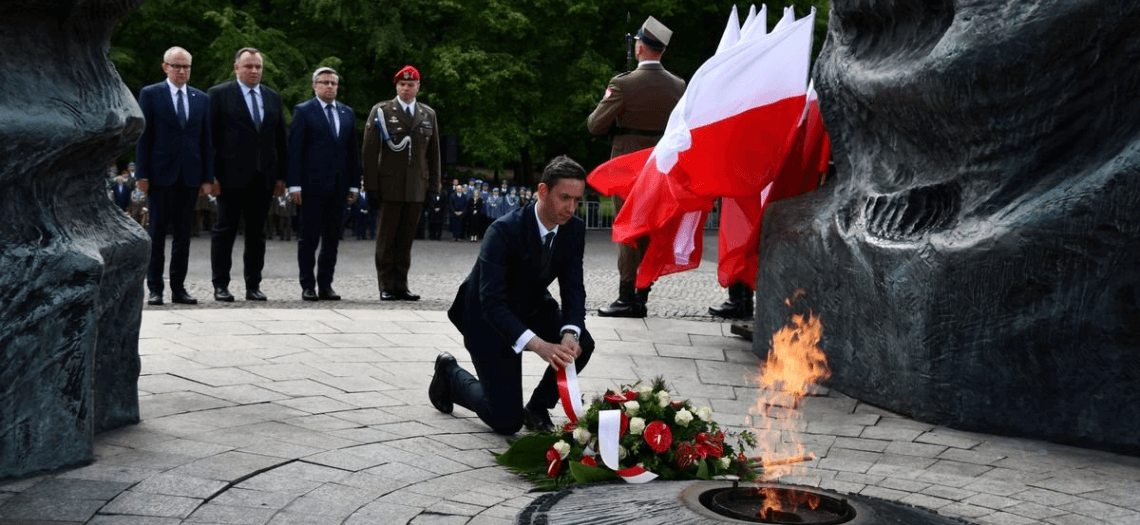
705,413
683,417
636,426
563,449
663,399
622,452
724,462
645,393
631,407
582,435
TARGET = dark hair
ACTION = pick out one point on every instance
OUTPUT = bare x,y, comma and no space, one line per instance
245,50
562,167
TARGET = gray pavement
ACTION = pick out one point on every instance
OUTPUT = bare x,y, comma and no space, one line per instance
437,269
302,413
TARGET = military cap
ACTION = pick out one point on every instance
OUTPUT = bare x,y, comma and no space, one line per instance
408,73
654,34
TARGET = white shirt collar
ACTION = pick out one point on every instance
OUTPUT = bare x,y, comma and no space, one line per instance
174,90
542,231
326,104
245,89
647,62
405,107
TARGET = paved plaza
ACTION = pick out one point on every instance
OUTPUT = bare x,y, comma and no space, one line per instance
317,413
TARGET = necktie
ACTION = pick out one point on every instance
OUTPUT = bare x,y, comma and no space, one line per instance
332,120
547,249
256,110
408,110
181,108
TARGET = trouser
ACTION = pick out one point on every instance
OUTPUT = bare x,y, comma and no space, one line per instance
496,396
629,257
173,207
321,220
251,204
396,229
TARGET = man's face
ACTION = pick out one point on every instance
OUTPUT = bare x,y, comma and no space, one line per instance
560,202
177,69
248,68
407,89
326,86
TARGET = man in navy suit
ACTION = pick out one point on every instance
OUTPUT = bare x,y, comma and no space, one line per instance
324,168
174,162
247,125
504,308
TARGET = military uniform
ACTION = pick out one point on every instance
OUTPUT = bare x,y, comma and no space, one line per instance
635,111
401,166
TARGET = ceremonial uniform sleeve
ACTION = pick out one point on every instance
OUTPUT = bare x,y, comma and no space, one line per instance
608,110
370,154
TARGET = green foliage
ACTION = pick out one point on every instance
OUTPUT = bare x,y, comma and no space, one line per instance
513,79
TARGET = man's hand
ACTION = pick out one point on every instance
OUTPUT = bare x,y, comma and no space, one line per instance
295,197
558,356
569,341
279,189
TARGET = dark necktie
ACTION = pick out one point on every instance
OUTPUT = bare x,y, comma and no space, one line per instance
408,110
181,108
332,121
547,248
256,110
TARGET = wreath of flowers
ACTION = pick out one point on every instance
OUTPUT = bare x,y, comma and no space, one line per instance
662,435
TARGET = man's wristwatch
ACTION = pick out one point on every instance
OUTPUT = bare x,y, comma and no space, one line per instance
572,334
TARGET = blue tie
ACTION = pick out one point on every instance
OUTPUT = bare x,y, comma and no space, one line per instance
256,110
181,109
332,121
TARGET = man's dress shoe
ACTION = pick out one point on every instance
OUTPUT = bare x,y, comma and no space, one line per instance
222,294
439,391
405,295
327,294
181,297
253,294
620,308
309,294
537,420
155,299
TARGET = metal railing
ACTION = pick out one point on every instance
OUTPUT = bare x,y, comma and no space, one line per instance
600,215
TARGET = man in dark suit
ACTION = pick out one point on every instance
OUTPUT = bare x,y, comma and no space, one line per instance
323,168
247,125
121,191
174,161
400,159
504,308
635,110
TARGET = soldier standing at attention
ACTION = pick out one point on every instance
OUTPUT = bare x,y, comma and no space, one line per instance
635,110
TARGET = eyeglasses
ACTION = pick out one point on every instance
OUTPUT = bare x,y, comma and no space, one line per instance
179,67
331,83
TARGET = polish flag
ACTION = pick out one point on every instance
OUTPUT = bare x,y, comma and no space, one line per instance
726,137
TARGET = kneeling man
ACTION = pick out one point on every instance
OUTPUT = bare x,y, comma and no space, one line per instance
504,308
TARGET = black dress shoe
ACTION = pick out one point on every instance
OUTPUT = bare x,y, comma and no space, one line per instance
154,299
405,295
388,296
308,294
537,420
181,297
439,391
222,294
620,308
253,294
327,294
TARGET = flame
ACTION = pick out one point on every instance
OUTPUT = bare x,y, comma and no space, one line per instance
795,364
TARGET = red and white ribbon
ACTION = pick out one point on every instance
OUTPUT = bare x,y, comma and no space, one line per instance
609,435
569,393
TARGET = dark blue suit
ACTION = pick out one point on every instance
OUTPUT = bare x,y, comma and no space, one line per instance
325,165
122,195
175,159
247,163
506,294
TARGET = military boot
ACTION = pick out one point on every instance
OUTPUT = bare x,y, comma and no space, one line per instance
625,306
738,305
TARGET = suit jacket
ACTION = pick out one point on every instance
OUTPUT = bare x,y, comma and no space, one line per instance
166,147
507,288
640,100
407,175
239,148
321,162
122,195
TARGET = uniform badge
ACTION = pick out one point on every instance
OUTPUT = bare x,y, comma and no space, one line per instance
393,119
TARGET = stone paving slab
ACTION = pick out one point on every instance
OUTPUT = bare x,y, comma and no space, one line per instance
311,416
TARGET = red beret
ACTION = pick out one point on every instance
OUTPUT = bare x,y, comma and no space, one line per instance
408,73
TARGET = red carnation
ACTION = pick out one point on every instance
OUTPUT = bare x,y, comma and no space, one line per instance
658,436
569,426
630,395
616,399
686,454
589,461
553,462
704,437
624,424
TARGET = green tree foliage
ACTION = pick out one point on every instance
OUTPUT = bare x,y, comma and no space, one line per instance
513,79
